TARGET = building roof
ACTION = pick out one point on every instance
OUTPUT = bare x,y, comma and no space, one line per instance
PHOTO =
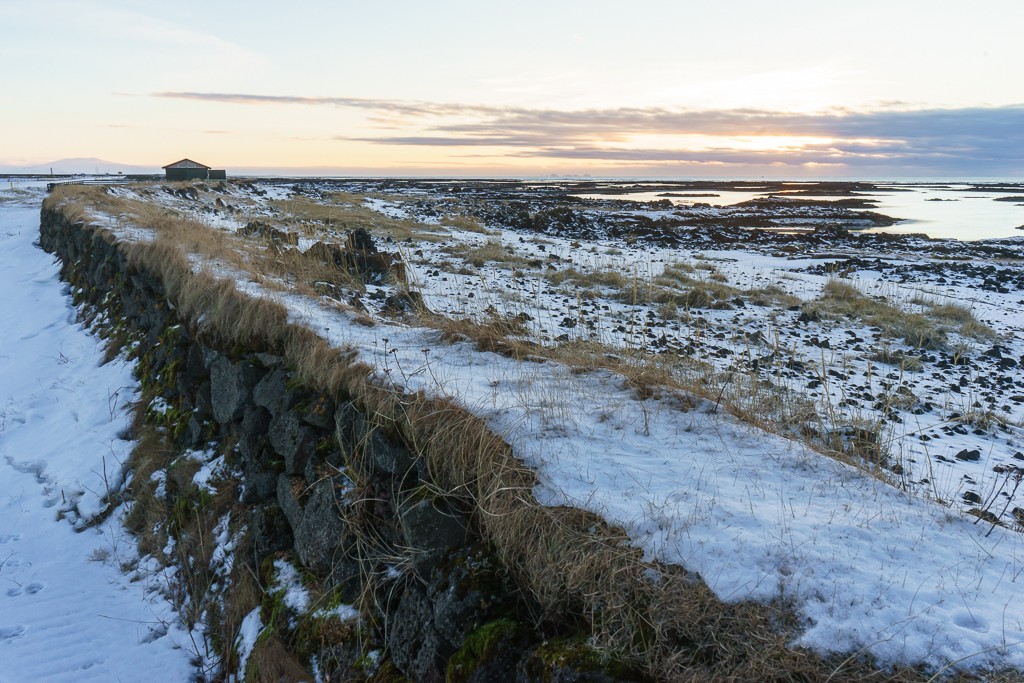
186,163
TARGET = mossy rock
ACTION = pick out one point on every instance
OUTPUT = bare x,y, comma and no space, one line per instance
313,634
387,673
469,590
573,660
490,653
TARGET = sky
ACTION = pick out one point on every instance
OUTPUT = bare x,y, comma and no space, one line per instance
790,88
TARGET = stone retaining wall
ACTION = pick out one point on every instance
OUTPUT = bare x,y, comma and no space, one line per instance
320,484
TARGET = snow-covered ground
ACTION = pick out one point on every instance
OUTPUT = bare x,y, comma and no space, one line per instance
74,605
869,567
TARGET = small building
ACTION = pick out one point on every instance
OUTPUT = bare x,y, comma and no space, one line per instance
186,169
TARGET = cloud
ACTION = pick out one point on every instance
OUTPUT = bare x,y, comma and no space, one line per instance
454,141
962,141
972,140
398,107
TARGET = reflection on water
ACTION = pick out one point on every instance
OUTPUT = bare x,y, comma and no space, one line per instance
939,210
956,212
722,197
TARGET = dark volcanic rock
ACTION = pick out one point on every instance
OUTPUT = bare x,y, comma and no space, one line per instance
272,392
432,531
292,440
231,386
387,457
969,455
319,536
414,642
287,497
271,532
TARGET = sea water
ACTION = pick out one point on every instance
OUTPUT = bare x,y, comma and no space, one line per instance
941,210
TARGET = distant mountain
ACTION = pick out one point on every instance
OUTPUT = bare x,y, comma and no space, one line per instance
80,165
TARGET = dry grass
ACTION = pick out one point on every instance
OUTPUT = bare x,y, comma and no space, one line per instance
680,271
679,285
344,212
771,295
841,299
270,660
711,295
492,251
601,277
951,313
466,224
905,361
774,407
961,317
281,269
501,334
148,512
674,628
293,270
83,202
194,237
242,598
674,288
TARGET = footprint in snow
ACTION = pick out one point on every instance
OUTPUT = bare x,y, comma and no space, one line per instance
155,633
965,619
33,588
7,538
37,468
11,632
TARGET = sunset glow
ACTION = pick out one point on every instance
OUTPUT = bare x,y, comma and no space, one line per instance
702,143
577,87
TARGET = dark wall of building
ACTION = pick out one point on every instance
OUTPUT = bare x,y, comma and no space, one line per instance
218,174
187,173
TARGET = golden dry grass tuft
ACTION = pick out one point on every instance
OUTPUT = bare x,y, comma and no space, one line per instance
465,223
271,660
959,316
343,212
771,295
600,277
842,299
147,512
501,334
492,251
680,286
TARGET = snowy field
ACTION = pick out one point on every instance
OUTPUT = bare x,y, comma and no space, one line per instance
869,567
74,605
